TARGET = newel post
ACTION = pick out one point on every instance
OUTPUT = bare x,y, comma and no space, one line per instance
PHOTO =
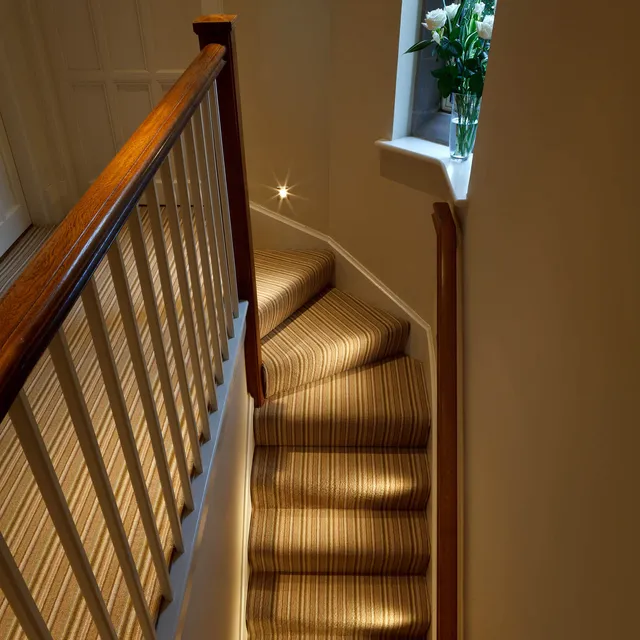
219,29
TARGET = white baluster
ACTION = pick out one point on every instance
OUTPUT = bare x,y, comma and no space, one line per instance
221,175
212,213
125,303
155,330
42,468
17,592
171,211
110,376
73,395
157,232
187,215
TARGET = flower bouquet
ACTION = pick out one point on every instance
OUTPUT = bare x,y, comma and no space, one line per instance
461,37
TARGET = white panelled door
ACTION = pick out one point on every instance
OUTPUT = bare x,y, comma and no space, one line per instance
14,216
112,61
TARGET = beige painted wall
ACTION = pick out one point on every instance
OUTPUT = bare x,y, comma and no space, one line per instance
386,225
318,84
552,301
31,114
284,48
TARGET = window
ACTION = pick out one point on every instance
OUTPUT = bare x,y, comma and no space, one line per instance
428,118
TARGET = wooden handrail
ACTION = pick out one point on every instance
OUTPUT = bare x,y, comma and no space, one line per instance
447,423
36,305
219,29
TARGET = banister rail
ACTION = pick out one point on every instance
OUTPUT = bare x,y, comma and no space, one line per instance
36,305
178,267
447,423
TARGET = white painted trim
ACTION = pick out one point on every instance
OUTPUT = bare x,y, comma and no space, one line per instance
243,633
340,250
407,64
440,176
172,618
16,220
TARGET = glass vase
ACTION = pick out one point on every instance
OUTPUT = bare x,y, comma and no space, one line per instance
465,111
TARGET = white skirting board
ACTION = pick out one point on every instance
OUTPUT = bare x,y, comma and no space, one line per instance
243,632
208,578
274,231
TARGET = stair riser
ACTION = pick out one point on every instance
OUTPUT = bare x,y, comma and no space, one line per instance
286,280
332,334
379,561
358,607
380,405
404,436
339,479
339,542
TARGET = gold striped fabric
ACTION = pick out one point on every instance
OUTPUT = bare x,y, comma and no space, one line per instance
377,405
286,280
24,520
339,538
320,606
333,333
17,257
346,541
325,478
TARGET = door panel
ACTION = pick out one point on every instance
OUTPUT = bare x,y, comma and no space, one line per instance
113,60
14,216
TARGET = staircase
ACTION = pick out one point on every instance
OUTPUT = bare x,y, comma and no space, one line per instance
119,344
339,540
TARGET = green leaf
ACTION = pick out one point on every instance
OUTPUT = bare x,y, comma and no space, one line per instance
452,48
440,73
419,46
446,86
476,83
458,20
473,64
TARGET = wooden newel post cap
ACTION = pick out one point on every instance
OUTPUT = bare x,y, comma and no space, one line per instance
214,29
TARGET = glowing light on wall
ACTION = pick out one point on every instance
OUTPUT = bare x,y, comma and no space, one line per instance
284,192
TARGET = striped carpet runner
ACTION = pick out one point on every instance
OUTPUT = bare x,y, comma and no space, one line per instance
339,544
339,541
24,520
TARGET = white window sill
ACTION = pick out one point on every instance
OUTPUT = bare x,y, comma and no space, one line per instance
425,166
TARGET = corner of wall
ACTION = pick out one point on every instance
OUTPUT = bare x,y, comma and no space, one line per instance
274,231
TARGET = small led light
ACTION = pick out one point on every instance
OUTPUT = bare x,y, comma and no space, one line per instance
283,193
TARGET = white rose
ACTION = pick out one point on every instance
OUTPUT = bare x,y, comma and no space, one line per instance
451,10
485,28
479,8
435,19
436,37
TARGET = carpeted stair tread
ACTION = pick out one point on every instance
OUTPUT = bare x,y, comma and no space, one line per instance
286,280
320,606
377,405
332,333
296,477
339,541
339,537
